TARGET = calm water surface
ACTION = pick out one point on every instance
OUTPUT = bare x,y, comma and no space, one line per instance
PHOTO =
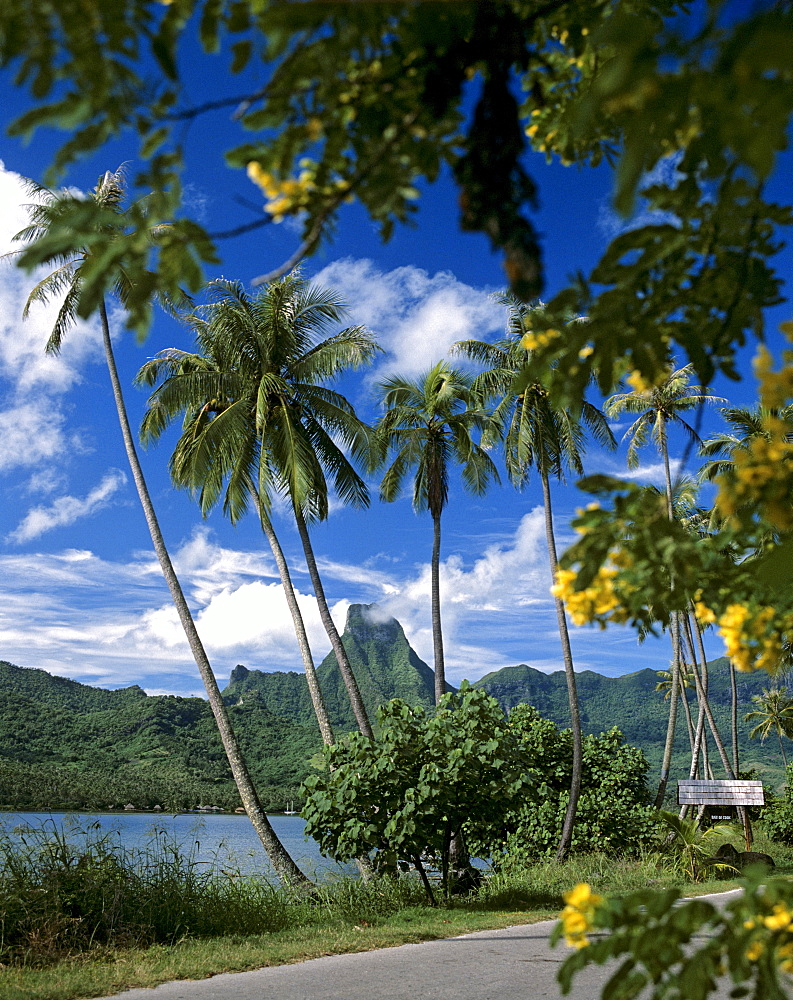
226,840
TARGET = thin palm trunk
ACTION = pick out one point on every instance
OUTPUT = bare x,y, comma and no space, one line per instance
284,865
345,668
781,747
705,703
689,720
734,717
676,640
317,700
437,631
572,691
314,689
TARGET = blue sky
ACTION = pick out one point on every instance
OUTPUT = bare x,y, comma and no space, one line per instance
82,595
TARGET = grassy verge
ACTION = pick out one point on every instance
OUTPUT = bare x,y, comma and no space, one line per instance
90,921
110,972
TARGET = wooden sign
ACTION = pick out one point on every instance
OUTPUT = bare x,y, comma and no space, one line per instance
726,792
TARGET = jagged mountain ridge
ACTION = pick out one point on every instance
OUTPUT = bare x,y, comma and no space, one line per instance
383,662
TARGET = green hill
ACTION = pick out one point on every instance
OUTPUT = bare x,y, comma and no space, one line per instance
68,745
632,703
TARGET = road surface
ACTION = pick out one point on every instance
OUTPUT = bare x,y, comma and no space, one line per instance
515,963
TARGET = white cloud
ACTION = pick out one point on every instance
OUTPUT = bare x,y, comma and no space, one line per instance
44,482
112,623
499,589
66,510
418,316
665,172
34,382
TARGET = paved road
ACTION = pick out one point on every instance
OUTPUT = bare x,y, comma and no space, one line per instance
515,963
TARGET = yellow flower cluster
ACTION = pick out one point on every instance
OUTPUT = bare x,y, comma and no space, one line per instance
292,194
578,915
776,387
778,921
705,615
597,602
534,341
753,637
638,382
762,476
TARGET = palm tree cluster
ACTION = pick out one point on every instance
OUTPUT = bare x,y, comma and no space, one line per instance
261,424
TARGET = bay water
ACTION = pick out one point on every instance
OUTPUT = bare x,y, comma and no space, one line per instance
223,840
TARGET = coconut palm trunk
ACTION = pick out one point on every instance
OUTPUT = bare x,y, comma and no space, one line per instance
317,700
286,868
343,661
677,646
437,629
734,716
572,691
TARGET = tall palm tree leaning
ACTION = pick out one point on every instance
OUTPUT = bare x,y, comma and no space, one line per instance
426,425
657,407
67,277
259,423
537,434
198,462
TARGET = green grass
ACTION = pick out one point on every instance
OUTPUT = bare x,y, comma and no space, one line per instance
84,918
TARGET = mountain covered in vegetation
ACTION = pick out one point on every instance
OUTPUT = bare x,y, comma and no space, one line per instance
632,703
69,745
384,664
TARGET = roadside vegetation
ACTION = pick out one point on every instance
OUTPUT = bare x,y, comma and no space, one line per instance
83,916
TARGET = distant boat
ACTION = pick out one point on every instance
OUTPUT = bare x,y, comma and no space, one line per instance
291,811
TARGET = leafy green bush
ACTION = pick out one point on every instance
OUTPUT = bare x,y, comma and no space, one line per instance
614,811
776,817
406,793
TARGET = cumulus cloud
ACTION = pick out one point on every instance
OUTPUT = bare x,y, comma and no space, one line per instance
65,510
417,315
496,590
33,382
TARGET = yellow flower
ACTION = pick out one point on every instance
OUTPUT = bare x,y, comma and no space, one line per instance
533,341
577,917
638,382
582,897
704,614
779,919
755,950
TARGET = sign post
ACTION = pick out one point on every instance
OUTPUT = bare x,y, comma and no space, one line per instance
726,794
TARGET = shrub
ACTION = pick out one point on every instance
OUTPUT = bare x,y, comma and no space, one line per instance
614,811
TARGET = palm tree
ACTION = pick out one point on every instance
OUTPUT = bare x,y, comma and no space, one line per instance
427,425
259,423
191,461
68,277
747,425
536,434
657,408
774,712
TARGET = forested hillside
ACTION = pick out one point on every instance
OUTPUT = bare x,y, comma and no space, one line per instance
632,703
69,745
